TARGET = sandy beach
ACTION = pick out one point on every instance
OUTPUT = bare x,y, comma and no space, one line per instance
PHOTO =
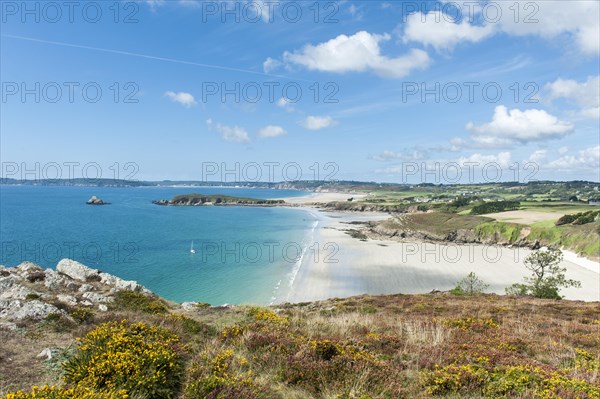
345,266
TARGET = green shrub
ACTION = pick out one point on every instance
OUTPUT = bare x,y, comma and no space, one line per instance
470,285
58,322
470,323
223,375
367,310
48,392
326,350
505,381
142,360
547,277
578,218
138,302
190,326
83,315
462,201
566,219
495,206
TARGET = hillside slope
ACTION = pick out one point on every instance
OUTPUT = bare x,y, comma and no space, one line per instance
395,346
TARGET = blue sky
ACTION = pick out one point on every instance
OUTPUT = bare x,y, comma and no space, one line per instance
369,62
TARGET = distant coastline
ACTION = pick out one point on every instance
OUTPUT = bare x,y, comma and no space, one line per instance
307,185
195,199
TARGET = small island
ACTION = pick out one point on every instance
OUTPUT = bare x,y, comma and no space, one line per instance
216,200
96,201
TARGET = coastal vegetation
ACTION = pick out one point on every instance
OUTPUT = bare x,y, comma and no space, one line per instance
547,277
579,218
112,339
582,238
215,199
495,206
470,285
405,346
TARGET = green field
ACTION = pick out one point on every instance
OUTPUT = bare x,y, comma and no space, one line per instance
561,207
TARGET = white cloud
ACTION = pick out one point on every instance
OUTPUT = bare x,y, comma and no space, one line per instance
538,156
263,9
457,143
153,4
190,3
593,113
285,104
479,160
185,99
234,134
483,141
476,161
355,12
409,155
563,150
585,94
588,38
576,19
587,160
271,64
439,31
549,19
519,126
357,53
271,131
318,122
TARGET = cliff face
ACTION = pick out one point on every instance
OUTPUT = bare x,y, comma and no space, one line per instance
29,292
386,230
366,207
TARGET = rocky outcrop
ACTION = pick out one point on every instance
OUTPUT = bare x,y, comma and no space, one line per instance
189,306
16,310
29,292
389,230
81,272
365,207
96,201
119,284
216,200
76,270
10,287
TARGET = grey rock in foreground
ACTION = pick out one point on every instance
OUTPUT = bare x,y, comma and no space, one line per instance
76,270
29,292
81,272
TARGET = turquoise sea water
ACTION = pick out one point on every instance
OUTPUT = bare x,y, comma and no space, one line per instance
243,254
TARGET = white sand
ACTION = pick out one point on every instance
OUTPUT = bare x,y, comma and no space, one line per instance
581,261
385,267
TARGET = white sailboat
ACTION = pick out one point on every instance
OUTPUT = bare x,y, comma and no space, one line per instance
192,250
